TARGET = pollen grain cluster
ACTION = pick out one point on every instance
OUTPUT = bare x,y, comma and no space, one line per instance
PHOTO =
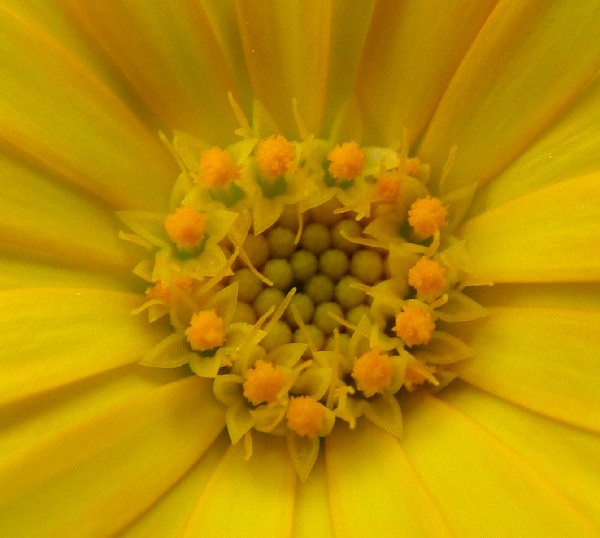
313,280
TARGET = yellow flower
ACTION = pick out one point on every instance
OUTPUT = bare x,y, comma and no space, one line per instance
488,111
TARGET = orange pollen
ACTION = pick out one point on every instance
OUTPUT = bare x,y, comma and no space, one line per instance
388,187
414,376
426,216
158,291
414,325
428,278
305,416
206,330
217,167
186,227
412,165
373,372
263,383
347,161
275,157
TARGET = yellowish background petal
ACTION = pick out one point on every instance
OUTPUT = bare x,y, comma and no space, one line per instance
53,336
482,486
549,235
122,460
545,359
411,52
563,454
529,61
373,489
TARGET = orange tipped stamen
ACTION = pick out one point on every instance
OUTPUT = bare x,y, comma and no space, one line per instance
346,161
186,227
206,331
414,326
263,383
388,187
217,167
305,416
372,372
428,278
275,157
427,216
412,165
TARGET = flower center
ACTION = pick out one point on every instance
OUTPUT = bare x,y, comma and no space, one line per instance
308,279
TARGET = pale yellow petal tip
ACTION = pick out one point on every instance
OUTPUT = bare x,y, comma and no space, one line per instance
306,278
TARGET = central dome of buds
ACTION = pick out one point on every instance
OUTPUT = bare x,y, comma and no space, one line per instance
312,280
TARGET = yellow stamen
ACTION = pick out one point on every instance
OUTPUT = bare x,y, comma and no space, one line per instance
428,278
275,157
206,331
263,383
186,227
347,161
372,372
427,216
305,416
388,186
414,326
217,167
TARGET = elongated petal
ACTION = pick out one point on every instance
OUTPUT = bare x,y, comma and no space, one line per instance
153,439
54,110
40,213
481,485
25,423
171,57
53,336
287,53
565,455
373,489
263,507
550,235
541,358
168,517
528,62
567,149
411,52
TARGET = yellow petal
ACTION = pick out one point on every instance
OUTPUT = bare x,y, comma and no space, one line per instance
312,517
55,110
25,423
53,336
124,459
250,498
567,149
411,52
481,485
550,235
527,63
287,47
563,454
373,489
27,268
47,216
541,358
171,57
578,295
168,517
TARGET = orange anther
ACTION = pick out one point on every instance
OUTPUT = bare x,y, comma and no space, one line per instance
388,186
412,165
217,167
428,278
206,331
414,326
427,216
275,157
305,416
263,383
346,161
372,372
186,227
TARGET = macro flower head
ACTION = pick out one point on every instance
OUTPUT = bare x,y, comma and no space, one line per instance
313,268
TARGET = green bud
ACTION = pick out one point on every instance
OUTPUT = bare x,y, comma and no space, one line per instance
315,238
304,265
324,321
319,288
333,263
367,266
279,272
